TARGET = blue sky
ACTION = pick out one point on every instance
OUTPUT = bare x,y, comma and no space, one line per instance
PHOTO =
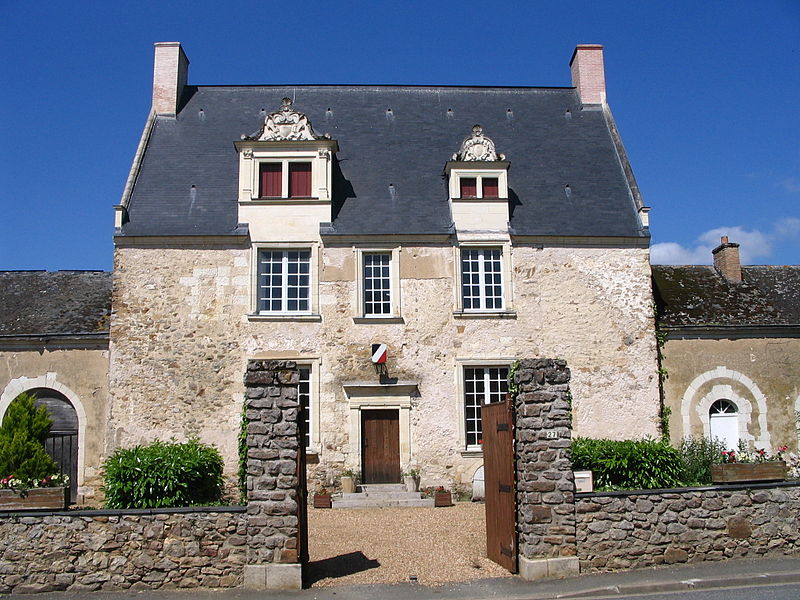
705,95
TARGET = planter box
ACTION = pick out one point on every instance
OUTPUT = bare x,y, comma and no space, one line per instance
55,498
322,501
442,499
746,472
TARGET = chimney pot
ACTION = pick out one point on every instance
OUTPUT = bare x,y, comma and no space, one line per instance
726,260
170,70
588,73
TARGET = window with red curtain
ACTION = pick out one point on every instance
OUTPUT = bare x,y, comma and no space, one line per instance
299,180
491,189
469,187
271,175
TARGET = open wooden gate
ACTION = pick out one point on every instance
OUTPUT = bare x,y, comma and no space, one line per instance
498,463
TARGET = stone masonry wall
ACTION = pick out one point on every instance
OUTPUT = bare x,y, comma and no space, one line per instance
113,550
180,311
624,530
545,485
274,496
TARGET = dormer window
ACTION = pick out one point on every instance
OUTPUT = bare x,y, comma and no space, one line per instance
285,160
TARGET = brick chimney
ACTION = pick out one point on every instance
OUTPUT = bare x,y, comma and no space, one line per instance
726,260
588,73
169,77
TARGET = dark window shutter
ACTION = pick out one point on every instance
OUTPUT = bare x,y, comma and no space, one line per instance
299,180
491,189
271,176
469,187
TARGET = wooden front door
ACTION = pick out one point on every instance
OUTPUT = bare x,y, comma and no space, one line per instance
498,468
380,446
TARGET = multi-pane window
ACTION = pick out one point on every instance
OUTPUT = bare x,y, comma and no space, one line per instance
482,278
284,281
297,181
482,385
304,396
377,283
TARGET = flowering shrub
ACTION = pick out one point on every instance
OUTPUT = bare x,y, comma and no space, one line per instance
792,465
59,480
745,455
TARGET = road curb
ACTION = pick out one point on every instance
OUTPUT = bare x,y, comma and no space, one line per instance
677,586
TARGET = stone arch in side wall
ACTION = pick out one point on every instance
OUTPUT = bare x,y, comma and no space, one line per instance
19,385
722,390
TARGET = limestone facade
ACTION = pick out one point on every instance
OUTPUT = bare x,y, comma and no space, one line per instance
182,332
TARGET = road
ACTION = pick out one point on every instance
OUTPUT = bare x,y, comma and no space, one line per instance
758,592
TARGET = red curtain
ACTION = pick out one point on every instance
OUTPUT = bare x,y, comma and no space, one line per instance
270,180
299,180
469,187
491,189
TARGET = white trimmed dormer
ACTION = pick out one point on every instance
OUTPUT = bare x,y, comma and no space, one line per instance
285,177
478,185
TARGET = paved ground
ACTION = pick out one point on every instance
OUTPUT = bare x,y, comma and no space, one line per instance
394,545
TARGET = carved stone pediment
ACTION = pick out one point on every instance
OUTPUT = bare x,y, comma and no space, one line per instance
284,125
477,147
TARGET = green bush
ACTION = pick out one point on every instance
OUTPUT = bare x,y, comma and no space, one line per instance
628,464
23,460
698,455
162,475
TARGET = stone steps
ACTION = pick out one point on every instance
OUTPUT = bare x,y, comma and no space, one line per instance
382,496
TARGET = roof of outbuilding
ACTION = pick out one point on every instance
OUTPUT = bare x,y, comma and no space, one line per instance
54,302
188,178
700,296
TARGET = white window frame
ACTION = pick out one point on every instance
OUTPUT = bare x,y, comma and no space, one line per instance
312,313
455,182
313,365
505,275
463,364
284,162
394,289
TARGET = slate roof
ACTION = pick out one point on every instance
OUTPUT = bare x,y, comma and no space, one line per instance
54,302
549,140
700,296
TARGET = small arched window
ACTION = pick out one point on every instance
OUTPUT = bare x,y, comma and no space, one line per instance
723,420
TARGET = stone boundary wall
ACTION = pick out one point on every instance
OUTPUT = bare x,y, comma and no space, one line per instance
545,484
257,547
626,530
115,550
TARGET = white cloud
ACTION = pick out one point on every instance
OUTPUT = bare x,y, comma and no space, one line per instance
790,185
754,244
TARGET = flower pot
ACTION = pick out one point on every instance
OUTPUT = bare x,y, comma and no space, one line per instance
442,499
55,498
412,483
322,500
348,485
774,470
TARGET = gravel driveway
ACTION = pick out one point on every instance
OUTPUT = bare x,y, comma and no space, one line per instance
389,545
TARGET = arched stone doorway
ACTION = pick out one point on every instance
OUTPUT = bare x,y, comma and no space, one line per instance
62,442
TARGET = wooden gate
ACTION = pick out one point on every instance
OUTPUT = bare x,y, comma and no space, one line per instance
498,467
380,446
302,488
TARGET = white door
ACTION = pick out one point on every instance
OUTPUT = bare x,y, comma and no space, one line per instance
723,419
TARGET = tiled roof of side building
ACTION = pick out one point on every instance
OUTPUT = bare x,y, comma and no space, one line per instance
54,302
697,296
549,139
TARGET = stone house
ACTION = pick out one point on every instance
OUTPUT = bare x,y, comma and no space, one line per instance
732,337
461,227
